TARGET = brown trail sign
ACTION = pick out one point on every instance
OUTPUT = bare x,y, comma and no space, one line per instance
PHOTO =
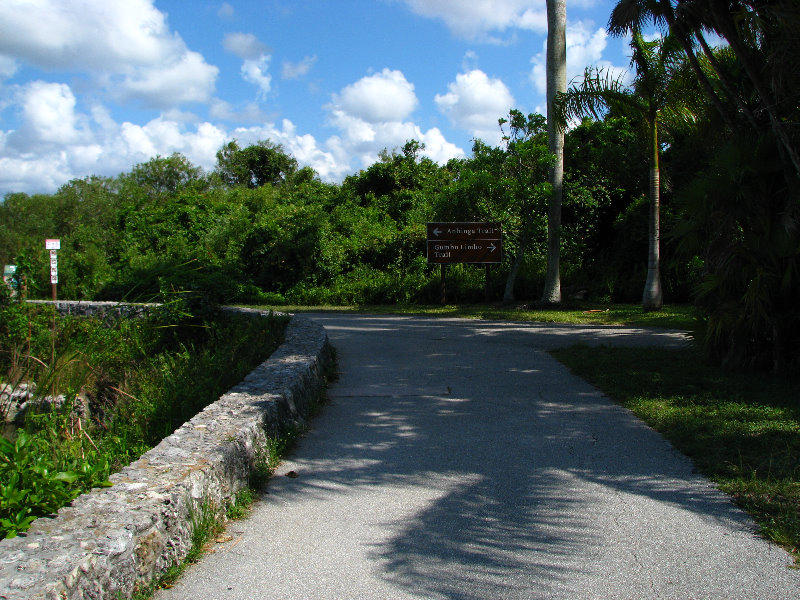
476,243
480,243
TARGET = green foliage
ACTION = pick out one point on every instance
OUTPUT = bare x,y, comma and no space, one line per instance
259,229
37,481
165,229
160,176
264,163
751,279
737,174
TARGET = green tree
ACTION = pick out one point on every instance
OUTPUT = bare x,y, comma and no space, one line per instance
263,163
742,189
657,99
605,173
762,34
165,175
526,165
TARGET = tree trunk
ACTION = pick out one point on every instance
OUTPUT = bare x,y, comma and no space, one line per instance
652,298
508,294
556,82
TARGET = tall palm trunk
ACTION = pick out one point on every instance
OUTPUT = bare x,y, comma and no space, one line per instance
652,298
556,82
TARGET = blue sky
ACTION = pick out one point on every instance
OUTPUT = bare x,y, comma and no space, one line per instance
97,86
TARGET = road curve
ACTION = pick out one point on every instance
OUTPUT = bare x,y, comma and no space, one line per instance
457,459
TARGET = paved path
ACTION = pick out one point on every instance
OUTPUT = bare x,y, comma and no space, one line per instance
458,460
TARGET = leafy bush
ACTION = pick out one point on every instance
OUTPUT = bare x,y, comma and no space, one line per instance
38,477
750,283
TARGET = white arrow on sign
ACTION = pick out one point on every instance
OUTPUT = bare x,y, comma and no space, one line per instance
492,247
437,231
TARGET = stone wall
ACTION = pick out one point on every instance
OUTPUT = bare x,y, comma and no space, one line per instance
98,309
109,541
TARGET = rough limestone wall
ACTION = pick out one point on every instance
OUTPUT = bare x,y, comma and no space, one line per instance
98,309
110,541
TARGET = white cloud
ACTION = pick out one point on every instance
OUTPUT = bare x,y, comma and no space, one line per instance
33,174
308,152
55,143
585,47
357,131
127,46
226,11
85,34
478,18
49,109
163,137
8,66
219,109
437,148
372,115
187,79
385,96
47,116
363,141
256,59
475,102
256,72
245,45
293,70
59,137
305,148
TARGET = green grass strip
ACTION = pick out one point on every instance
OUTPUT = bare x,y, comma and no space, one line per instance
578,313
742,430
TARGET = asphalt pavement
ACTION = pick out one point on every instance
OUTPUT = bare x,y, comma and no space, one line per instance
456,459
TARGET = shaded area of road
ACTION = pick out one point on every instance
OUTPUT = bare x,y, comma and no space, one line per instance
457,459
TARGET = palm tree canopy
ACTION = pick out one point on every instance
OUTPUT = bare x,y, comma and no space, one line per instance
654,94
630,15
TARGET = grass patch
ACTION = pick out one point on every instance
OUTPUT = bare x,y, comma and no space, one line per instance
742,430
670,317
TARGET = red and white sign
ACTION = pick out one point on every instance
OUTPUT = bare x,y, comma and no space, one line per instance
52,244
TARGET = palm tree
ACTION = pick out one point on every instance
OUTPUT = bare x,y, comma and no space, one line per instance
630,15
556,82
762,35
654,98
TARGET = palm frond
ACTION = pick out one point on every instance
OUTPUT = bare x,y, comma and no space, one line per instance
592,96
632,15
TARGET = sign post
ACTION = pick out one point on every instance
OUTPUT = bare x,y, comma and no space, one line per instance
464,242
54,246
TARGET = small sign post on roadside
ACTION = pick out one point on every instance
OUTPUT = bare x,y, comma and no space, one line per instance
54,246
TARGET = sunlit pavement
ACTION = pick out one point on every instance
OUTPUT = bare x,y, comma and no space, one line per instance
457,459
